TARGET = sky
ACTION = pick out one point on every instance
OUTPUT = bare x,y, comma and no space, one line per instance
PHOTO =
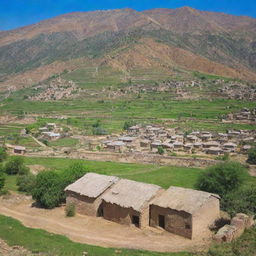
18,13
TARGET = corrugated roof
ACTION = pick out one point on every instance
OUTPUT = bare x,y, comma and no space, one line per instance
183,199
131,194
92,184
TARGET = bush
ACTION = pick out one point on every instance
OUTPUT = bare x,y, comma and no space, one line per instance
47,191
49,186
128,124
3,154
26,183
2,181
240,201
160,150
252,156
222,178
70,210
99,131
16,166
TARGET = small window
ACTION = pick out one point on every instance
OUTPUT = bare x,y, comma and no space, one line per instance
136,220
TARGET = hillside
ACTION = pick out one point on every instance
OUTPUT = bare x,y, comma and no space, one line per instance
175,41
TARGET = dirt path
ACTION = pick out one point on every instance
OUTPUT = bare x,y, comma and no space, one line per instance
97,231
38,142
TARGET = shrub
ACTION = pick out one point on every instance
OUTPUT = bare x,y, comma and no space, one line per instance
222,178
128,124
3,154
99,131
252,156
160,150
2,180
47,191
70,210
240,201
26,183
16,166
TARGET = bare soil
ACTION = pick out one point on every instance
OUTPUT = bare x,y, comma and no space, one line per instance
97,231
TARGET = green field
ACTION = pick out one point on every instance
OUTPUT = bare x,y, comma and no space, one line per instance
65,142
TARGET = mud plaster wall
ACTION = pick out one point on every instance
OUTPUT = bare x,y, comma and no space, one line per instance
177,222
204,217
122,215
83,204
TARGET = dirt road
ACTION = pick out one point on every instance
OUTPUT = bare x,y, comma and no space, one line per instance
96,231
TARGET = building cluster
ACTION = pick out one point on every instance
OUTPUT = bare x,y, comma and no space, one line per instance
50,132
181,211
151,138
244,115
238,91
57,89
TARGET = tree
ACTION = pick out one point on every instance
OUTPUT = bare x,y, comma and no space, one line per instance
160,150
128,124
47,190
252,156
3,154
222,178
26,183
16,166
242,200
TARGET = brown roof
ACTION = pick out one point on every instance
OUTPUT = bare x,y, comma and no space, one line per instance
131,194
183,199
92,184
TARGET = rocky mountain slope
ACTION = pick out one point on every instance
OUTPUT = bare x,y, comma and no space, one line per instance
172,40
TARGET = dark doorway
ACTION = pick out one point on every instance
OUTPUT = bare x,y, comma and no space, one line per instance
136,220
161,221
100,212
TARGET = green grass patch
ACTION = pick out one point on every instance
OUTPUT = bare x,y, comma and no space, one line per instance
65,142
10,182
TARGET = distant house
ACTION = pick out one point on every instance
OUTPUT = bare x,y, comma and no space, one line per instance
116,146
86,193
184,212
19,150
127,202
51,125
51,135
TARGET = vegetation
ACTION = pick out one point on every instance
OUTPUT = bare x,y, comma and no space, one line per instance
2,180
128,124
26,183
48,190
222,178
3,154
70,210
252,156
16,166
160,150
242,200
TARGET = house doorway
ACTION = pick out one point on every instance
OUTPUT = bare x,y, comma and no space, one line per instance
100,212
136,220
161,221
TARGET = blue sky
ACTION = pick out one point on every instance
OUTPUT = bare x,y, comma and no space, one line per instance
17,13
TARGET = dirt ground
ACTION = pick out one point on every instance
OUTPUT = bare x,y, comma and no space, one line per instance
89,230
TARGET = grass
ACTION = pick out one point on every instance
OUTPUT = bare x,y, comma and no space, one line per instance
163,176
65,142
40,241
10,183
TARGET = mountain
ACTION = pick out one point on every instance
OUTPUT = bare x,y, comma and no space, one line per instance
173,41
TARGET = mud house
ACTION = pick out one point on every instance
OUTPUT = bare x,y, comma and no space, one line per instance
127,202
86,193
184,212
19,150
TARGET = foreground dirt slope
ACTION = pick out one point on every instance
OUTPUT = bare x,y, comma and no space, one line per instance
103,233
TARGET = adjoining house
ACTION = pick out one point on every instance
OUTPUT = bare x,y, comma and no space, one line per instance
127,202
20,150
86,193
184,212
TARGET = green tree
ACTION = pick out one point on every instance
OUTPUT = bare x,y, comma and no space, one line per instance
222,178
2,180
252,156
242,200
128,124
16,166
47,191
3,154
160,150
26,183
